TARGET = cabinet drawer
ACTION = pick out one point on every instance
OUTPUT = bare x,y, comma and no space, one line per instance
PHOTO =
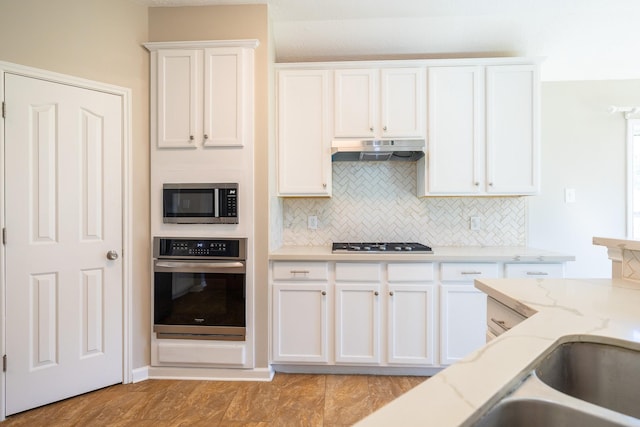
534,270
357,272
410,272
467,272
501,318
300,270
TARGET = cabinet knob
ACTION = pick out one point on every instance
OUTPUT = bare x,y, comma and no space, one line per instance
384,128
191,138
376,293
206,136
371,128
323,292
476,184
324,185
391,293
491,184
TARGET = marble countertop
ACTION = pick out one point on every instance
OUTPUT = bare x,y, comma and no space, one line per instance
599,310
442,253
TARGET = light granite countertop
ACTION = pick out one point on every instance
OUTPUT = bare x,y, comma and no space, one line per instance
443,253
597,310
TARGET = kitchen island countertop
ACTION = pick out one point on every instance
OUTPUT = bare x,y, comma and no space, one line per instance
441,253
598,310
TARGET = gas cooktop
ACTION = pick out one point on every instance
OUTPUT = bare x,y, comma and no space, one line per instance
381,247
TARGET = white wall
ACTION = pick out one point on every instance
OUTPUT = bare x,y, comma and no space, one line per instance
583,147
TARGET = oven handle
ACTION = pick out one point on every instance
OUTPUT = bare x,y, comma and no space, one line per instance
199,267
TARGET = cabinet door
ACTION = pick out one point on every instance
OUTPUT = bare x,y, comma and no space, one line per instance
357,323
356,103
456,132
304,143
179,97
223,96
300,323
463,312
512,129
402,103
411,326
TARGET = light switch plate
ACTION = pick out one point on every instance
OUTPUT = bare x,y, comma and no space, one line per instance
569,195
312,222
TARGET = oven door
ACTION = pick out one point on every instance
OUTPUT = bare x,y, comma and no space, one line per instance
200,300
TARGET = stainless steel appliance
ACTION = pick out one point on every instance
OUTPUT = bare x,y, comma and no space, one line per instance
200,203
397,247
408,150
199,288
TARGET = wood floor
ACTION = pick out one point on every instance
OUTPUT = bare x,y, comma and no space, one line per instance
288,400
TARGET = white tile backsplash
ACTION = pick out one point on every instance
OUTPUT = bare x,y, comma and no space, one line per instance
376,201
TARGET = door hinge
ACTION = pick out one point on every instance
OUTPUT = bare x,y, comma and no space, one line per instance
4,109
4,363
4,236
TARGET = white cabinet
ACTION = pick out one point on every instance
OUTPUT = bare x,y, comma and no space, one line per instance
200,96
379,103
483,131
500,318
463,309
411,314
304,140
357,310
512,129
300,295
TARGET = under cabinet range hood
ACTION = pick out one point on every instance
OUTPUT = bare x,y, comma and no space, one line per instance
408,150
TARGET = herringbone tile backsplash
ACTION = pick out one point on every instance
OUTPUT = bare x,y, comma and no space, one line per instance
376,201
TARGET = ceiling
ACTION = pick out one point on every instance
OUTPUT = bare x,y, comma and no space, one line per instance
579,39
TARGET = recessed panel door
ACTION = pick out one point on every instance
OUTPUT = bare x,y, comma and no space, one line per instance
63,179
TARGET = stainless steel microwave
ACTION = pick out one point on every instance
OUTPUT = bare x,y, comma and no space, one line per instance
207,203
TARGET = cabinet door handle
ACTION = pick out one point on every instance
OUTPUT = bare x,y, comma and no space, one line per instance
324,185
376,293
537,273
294,272
470,272
371,128
323,292
384,128
206,136
391,293
191,138
500,323
477,184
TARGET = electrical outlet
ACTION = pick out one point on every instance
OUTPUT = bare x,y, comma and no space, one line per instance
312,222
475,223
569,195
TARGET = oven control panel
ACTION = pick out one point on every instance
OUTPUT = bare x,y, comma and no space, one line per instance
190,248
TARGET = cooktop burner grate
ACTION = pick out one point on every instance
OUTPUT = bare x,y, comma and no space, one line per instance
390,247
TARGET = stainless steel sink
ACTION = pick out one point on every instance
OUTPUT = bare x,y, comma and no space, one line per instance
532,412
603,374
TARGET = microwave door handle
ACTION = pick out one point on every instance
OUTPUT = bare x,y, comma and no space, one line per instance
199,267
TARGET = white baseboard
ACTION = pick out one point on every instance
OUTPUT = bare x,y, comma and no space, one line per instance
213,374
140,374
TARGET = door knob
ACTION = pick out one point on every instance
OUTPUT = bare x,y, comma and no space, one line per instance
112,255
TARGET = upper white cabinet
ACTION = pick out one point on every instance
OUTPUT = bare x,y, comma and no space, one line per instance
379,103
304,139
201,93
483,131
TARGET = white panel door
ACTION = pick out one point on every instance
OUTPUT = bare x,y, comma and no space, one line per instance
512,129
63,179
358,323
356,103
402,102
456,132
179,90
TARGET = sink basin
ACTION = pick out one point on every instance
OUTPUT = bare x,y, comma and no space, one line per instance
603,374
531,412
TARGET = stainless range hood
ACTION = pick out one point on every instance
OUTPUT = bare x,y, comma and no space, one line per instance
407,150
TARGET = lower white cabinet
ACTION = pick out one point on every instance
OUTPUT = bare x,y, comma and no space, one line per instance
300,332
411,324
463,309
463,313
357,334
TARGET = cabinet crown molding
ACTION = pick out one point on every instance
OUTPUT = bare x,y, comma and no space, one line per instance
243,43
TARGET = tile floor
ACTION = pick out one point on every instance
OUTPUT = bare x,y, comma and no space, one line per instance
289,400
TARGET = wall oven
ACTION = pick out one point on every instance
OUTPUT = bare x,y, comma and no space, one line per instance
199,288
200,203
